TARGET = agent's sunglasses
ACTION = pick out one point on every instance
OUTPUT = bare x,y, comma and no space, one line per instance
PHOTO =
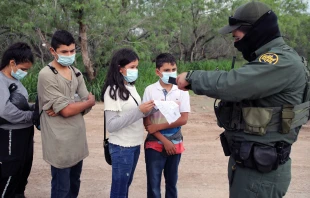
234,21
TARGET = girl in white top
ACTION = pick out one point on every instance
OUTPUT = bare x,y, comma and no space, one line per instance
124,113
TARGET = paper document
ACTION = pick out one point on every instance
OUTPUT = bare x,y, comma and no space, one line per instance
169,109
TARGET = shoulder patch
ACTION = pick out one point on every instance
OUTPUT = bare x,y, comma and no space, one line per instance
269,57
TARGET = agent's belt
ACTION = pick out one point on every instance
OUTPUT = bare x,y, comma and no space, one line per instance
261,157
260,120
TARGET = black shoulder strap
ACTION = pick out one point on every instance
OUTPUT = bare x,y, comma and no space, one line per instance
77,74
54,70
134,99
104,127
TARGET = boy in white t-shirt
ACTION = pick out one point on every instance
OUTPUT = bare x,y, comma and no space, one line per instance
164,143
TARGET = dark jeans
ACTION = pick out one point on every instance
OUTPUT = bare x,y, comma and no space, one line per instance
16,155
66,182
156,163
124,162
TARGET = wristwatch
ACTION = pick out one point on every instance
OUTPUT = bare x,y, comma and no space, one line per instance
187,78
188,75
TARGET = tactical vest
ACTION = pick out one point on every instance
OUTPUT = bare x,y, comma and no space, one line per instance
233,116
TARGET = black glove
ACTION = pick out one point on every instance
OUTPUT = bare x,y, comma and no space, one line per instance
3,121
16,99
19,101
32,107
36,114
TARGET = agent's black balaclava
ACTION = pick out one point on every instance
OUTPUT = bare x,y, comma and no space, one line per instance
264,30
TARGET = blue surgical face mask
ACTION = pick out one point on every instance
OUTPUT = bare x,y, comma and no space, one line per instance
166,76
132,75
19,74
65,60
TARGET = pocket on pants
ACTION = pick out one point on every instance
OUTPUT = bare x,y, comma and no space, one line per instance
266,190
114,148
274,184
231,172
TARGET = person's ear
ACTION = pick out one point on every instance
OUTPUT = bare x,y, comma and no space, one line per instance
12,62
122,70
53,52
158,72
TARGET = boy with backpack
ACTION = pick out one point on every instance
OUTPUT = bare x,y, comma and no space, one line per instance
62,124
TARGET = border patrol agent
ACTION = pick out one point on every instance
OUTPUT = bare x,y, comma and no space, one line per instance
262,105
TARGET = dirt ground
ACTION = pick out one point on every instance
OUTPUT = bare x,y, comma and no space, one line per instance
203,167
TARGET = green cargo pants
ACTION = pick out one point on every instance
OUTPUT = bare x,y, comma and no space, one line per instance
250,183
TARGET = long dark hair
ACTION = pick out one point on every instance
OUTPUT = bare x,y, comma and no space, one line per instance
19,52
114,78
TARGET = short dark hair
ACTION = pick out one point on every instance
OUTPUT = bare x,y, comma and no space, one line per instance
114,78
164,58
62,37
19,52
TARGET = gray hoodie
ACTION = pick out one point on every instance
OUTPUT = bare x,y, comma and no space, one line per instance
19,119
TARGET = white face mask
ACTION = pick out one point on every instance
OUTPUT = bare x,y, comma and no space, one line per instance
19,74
166,76
66,60
132,75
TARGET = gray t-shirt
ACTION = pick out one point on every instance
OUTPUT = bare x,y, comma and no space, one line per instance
18,119
64,141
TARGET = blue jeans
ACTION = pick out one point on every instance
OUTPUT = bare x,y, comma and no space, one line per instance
124,162
66,182
156,162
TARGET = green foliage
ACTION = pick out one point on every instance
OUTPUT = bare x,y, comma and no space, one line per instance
293,22
95,87
30,82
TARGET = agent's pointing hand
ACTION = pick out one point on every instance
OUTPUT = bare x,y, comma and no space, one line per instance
181,82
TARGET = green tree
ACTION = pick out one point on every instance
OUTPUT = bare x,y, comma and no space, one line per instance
187,28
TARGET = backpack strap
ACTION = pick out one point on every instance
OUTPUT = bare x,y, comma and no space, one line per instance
54,70
77,74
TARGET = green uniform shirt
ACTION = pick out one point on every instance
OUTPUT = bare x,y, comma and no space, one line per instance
275,78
